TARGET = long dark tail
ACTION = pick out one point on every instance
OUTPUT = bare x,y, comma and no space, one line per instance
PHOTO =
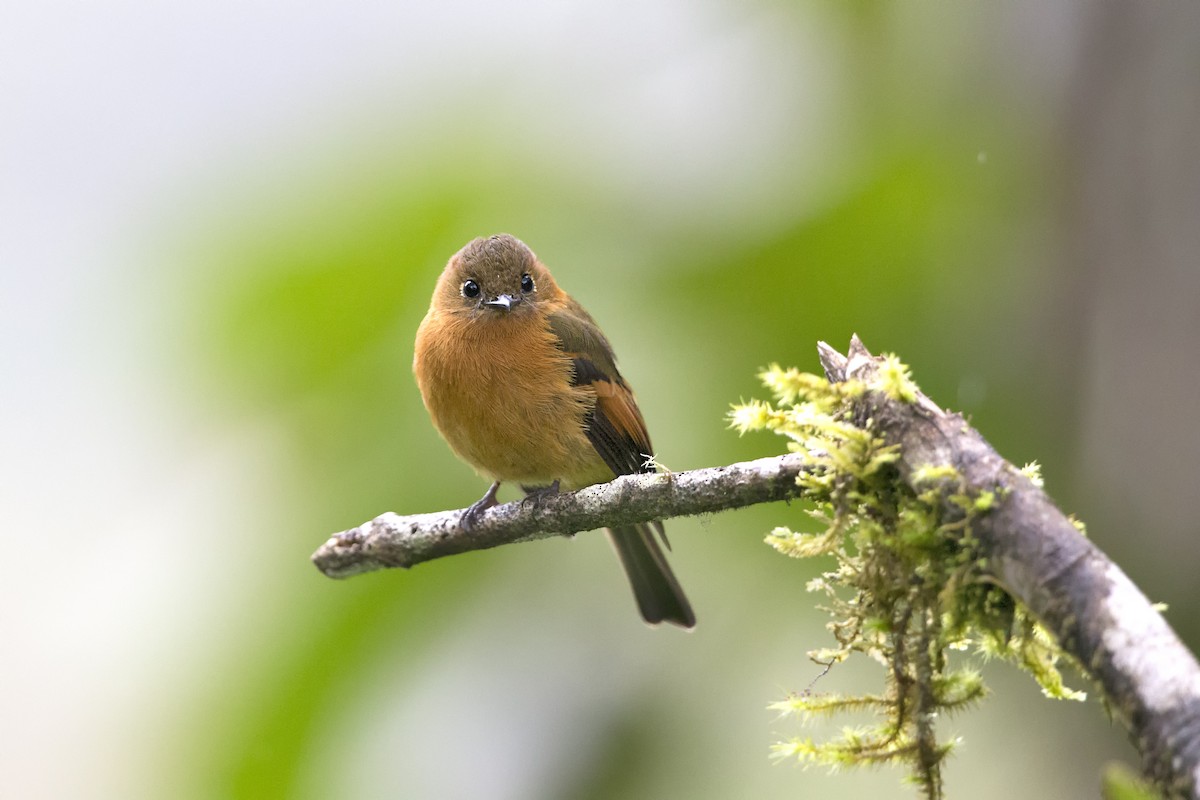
659,595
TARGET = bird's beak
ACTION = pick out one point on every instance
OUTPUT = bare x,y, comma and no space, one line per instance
504,302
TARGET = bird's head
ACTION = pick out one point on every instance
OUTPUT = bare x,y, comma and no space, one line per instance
494,278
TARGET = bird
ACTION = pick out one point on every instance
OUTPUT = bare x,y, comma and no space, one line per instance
523,386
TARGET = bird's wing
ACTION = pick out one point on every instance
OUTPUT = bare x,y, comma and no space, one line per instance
616,429
615,426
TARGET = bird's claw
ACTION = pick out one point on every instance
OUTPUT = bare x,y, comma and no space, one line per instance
538,493
471,515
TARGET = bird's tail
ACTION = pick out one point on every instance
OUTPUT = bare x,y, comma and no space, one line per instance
659,595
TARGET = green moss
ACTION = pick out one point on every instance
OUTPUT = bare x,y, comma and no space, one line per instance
908,584
895,380
1033,471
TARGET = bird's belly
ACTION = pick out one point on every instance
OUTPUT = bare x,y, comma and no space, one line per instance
516,418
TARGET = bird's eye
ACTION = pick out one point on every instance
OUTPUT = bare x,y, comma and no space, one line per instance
526,283
470,289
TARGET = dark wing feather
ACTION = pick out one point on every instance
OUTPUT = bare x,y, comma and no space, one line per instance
614,426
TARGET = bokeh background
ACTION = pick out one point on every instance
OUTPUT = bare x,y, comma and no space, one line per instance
221,225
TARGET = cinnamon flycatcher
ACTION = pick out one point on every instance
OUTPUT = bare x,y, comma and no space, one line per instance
524,387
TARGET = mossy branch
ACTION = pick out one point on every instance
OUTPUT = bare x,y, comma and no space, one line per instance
1039,556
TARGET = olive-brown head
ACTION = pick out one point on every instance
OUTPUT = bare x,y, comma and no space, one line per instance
496,277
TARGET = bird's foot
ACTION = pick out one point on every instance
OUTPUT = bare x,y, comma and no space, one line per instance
471,515
535,494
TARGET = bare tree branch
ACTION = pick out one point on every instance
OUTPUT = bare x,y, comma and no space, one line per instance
390,540
1151,680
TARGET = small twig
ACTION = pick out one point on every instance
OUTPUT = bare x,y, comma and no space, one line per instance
390,540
